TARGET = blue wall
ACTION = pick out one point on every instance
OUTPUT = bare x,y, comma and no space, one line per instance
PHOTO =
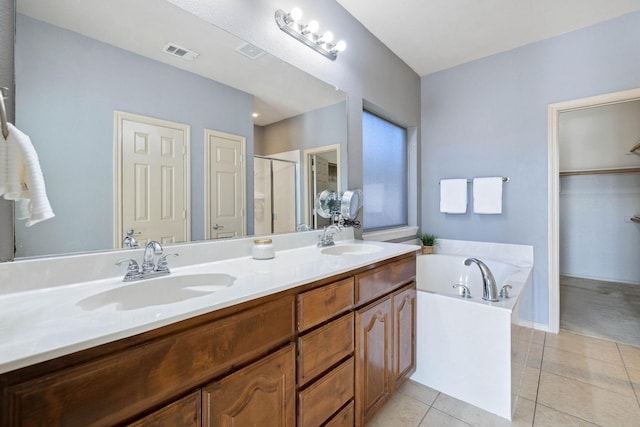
489,118
67,88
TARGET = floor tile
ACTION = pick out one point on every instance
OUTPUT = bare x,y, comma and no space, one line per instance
481,418
529,386
538,337
400,411
609,376
591,403
634,375
549,417
630,356
534,358
606,351
418,391
436,418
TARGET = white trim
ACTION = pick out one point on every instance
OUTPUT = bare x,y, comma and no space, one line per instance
207,177
307,197
118,117
553,237
390,234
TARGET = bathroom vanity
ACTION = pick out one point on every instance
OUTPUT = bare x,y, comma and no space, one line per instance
330,349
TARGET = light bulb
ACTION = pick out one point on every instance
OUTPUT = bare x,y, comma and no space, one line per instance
340,46
295,14
327,37
313,26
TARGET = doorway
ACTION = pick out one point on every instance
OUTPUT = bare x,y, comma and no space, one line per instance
593,195
321,172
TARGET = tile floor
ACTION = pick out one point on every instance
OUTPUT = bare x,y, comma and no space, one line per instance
571,380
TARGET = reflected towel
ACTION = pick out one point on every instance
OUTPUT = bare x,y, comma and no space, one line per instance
487,195
25,183
453,196
4,165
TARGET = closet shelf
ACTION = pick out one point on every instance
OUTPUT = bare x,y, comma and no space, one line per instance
600,171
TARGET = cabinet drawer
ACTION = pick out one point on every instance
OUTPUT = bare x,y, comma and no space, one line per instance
152,373
385,279
324,347
318,305
344,418
324,397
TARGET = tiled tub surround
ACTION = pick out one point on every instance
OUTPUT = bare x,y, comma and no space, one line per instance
471,349
40,318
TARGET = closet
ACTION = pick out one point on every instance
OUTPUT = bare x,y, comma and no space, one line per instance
600,221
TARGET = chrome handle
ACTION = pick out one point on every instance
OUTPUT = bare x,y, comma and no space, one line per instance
504,291
162,262
133,271
217,226
466,293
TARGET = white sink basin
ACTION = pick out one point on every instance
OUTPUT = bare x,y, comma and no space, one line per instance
362,249
159,291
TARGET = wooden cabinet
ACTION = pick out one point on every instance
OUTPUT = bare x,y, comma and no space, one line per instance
184,412
385,335
262,394
404,334
327,353
374,355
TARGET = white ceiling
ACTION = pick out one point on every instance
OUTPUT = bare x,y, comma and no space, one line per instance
432,35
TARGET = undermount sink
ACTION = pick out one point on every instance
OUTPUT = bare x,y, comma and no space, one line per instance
362,249
159,291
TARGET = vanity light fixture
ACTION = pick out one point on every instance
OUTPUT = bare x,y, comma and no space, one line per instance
307,34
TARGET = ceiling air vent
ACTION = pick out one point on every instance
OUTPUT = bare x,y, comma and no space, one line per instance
180,52
250,51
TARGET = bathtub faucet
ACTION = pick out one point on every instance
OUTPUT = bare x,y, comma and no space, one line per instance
489,288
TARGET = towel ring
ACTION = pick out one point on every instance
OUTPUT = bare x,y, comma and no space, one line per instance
3,113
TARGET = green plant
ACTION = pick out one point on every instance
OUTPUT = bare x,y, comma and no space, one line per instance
428,239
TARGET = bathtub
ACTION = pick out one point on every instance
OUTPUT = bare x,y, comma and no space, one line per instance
468,348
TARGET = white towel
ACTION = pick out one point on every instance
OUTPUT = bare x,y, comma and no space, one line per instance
453,196
4,165
487,195
25,183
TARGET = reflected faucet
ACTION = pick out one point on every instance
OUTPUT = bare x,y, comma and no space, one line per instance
489,288
326,238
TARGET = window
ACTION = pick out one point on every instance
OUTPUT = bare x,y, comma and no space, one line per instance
384,173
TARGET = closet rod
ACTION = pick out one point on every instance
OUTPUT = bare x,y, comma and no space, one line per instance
600,171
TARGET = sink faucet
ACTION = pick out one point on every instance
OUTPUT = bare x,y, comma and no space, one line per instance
326,238
152,249
149,267
489,288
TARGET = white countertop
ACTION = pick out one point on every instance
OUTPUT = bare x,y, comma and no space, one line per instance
40,324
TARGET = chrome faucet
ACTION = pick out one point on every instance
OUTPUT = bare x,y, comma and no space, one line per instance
149,268
152,249
489,288
326,238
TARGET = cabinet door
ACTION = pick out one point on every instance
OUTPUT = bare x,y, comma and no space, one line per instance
184,412
262,394
404,333
373,358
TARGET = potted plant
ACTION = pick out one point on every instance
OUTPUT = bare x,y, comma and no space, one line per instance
428,242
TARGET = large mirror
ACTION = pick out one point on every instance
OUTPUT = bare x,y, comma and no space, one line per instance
84,67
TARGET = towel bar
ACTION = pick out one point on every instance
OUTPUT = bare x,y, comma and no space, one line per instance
3,112
504,179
